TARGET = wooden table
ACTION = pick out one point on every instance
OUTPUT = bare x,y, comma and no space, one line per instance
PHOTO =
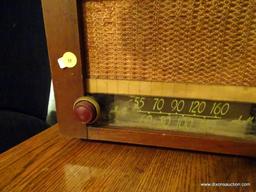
51,162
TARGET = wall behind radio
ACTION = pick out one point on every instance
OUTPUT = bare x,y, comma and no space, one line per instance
24,72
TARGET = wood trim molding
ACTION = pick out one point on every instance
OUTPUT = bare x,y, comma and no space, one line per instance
188,141
180,90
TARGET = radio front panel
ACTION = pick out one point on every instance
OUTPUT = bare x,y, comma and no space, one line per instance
179,74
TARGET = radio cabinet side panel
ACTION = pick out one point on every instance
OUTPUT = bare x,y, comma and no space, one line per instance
62,33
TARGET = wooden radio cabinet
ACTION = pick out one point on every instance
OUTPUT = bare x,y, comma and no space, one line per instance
178,74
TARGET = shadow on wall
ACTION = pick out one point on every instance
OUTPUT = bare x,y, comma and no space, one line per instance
24,72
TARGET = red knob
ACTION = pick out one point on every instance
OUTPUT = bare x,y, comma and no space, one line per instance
85,112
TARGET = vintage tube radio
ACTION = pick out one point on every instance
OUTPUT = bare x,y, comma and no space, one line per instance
168,73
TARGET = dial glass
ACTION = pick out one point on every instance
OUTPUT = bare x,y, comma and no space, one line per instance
223,118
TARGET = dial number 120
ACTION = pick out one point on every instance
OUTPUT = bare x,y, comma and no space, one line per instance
197,107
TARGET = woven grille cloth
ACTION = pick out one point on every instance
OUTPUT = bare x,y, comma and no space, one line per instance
188,41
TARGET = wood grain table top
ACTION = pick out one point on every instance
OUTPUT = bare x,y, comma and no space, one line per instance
51,162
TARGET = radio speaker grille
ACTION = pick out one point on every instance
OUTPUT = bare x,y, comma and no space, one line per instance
189,41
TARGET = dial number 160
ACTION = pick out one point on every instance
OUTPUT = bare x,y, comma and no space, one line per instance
220,109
